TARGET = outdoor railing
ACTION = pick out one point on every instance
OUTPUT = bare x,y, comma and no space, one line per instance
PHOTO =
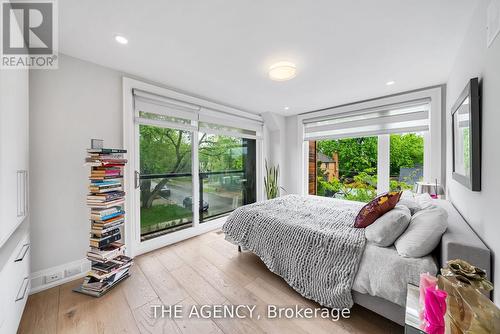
207,209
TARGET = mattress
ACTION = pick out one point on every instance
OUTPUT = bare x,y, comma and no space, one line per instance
384,273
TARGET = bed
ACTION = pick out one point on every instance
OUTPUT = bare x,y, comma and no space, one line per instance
311,243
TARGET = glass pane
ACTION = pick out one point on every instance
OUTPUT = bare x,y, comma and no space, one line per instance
165,180
407,160
227,174
345,168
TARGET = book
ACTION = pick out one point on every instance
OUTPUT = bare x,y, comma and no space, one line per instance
99,204
101,183
105,267
101,275
97,224
95,187
107,253
100,231
104,290
121,259
98,217
94,284
105,172
106,196
104,212
105,190
104,233
106,150
100,243
105,177
108,178
105,161
104,236
117,263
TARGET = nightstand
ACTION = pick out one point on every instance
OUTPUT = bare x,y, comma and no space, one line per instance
412,318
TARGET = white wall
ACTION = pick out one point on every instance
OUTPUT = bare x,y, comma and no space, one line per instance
69,106
274,142
293,156
480,209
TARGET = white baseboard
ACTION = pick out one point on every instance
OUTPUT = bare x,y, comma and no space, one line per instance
69,271
80,268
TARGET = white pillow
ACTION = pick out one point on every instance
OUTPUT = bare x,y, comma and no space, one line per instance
407,194
424,200
387,228
423,233
410,204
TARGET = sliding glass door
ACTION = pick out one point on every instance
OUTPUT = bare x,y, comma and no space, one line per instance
166,180
226,177
192,166
227,174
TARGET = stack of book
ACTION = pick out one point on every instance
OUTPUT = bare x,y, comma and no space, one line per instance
106,200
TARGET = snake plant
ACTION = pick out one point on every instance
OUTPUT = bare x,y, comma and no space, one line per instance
271,181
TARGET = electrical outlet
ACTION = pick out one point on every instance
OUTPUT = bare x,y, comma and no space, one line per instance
72,271
53,277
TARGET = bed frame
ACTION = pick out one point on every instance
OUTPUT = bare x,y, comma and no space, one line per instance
458,242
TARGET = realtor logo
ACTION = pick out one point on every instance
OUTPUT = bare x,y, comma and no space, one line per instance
29,34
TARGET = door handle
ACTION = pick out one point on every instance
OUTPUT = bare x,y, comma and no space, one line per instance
25,192
136,179
22,253
25,284
22,193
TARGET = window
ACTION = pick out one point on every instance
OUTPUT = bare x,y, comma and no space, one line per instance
407,160
368,151
227,174
347,168
395,120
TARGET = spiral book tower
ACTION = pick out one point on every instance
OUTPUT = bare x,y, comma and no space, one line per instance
106,200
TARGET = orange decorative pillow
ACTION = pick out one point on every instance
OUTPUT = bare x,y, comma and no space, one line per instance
376,208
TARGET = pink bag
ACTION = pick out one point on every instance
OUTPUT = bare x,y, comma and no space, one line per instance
435,309
426,281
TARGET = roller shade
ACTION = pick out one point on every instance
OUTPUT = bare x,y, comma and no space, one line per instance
158,110
408,117
218,122
147,105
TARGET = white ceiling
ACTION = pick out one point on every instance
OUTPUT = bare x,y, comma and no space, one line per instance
345,51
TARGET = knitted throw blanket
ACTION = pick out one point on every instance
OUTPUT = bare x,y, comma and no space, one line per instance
309,241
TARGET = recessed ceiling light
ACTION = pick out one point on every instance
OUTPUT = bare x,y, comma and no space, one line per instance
286,108
121,39
282,71
390,83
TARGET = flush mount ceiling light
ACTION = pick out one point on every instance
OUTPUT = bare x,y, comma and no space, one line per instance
282,71
121,39
286,108
390,83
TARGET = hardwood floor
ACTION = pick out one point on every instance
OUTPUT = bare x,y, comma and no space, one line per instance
202,270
